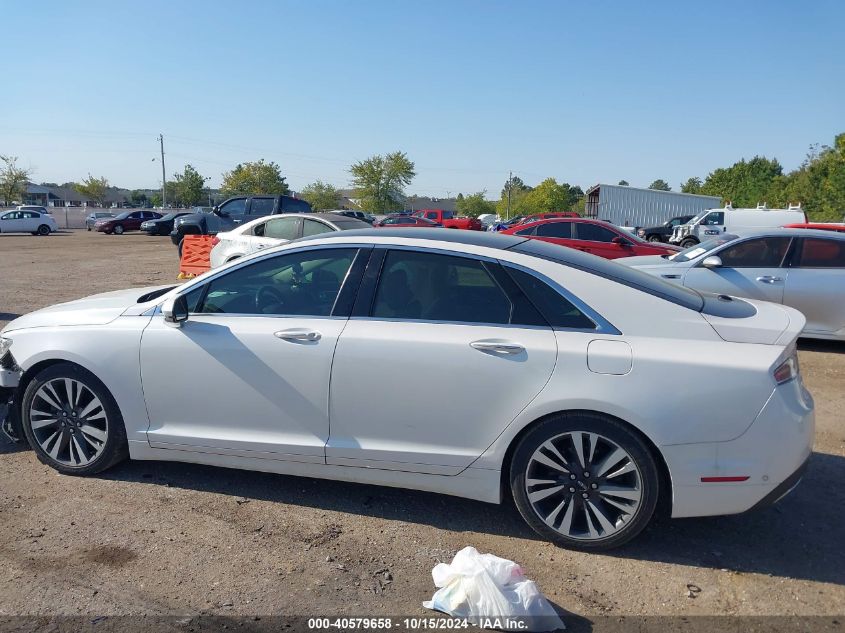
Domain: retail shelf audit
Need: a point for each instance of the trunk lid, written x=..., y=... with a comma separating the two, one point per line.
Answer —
x=770, y=323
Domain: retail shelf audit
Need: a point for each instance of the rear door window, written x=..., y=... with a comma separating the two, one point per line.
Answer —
x=593, y=233
x=557, y=309
x=817, y=252
x=433, y=287
x=315, y=227
x=561, y=230
x=279, y=228
x=262, y=206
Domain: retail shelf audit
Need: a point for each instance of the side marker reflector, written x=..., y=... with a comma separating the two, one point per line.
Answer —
x=722, y=480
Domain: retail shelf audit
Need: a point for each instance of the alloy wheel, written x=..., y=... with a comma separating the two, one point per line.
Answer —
x=583, y=485
x=69, y=422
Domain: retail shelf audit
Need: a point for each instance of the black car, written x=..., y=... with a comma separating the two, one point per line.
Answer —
x=163, y=225
x=232, y=212
x=663, y=232
x=358, y=215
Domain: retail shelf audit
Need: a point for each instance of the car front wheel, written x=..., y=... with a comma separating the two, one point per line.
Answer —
x=584, y=481
x=118, y=230
x=689, y=242
x=72, y=422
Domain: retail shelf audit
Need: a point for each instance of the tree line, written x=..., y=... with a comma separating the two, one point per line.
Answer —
x=379, y=184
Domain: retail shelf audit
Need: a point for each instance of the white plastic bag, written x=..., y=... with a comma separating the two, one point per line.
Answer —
x=491, y=592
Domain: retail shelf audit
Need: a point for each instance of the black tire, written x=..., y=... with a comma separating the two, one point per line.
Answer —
x=618, y=433
x=118, y=230
x=43, y=230
x=179, y=248
x=115, y=448
x=89, y=228
x=688, y=242
x=654, y=238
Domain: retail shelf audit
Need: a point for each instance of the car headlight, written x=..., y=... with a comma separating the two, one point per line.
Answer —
x=5, y=344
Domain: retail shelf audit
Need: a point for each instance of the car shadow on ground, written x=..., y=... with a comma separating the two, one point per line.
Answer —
x=800, y=537
x=818, y=345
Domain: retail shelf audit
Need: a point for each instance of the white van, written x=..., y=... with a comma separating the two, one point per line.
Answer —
x=712, y=222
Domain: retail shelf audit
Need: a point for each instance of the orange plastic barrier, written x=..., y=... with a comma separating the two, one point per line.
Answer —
x=195, y=255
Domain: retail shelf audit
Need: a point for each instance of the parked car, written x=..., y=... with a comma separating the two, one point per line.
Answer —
x=358, y=215
x=821, y=226
x=800, y=268
x=487, y=220
x=583, y=438
x=164, y=224
x=234, y=211
x=591, y=236
x=126, y=221
x=449, y=219
x=548, y=216
x=92, y=218
x=711, y=222
x=27, y=221
x=274, y=230
x=32, y=207
x=663, y=232
x=405, y=221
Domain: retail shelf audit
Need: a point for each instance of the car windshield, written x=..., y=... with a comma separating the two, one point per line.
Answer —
x=170, y=216
x=104, y=215
x=699, y=249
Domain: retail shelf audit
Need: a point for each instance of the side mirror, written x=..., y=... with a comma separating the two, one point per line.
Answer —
x=621, y=241
x=175, y=309
x=713, y=261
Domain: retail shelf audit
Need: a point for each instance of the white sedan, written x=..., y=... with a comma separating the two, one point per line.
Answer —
x=28, y=221
x=274, y=230
x=285, y=344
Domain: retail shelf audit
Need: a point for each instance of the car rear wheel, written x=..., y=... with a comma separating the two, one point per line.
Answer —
x=43, y=230
x=687, y=243
x=584, y=481
x=654, y=238
x=72, y=422
x=118, y=230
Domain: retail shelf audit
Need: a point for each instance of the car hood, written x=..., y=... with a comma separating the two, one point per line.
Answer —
x=94, y=310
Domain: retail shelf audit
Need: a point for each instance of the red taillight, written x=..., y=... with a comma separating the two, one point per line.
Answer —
x=215, y=241
x=787, y=370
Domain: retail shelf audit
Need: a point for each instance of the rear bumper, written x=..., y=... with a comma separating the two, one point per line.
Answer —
x=772, y=454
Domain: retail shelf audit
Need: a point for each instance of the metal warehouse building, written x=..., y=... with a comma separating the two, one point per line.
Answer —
x=630, y=206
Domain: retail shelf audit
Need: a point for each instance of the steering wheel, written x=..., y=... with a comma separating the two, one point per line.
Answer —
x=265, y=296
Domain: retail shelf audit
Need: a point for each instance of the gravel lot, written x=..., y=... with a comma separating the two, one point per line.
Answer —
x=161, y=538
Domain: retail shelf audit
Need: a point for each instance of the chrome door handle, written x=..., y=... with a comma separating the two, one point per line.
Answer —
x=298, y=335
x=768, y=279
x=498, y=348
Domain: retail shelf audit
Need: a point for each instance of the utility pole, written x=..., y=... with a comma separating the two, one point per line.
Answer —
x=510, y=187
x=163, y=177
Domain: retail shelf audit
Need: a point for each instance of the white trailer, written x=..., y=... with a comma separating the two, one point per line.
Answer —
x=632, y=207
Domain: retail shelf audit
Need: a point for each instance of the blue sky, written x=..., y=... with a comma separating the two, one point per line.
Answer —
x=585, y=92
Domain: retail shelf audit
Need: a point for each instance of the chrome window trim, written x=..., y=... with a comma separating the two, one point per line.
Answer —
x=603, y=326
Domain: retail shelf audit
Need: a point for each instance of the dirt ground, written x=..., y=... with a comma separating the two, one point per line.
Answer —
x=162, y=538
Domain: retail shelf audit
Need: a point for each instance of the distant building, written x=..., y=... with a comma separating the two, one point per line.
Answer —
x=49, y=196
x=630, y=206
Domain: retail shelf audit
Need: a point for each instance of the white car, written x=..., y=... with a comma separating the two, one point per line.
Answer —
x=801, y=268
x=274, y=230
x=285, y=344
x=30, y=220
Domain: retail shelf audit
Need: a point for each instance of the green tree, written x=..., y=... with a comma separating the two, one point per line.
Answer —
x=13, y=180
x=692, y=185
x=518, y=190
x=94, y=188
x=745, y=183
x=660, y=185
x=474, y=204
x=188, y=187
x=623, y=183
x=155, y=199
x=321, y=195
x=380, y=181
x=818, y=184
x=259, y=177
x=138, y=198
x=549, y=196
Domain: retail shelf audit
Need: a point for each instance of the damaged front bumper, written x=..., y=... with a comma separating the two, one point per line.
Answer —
x=9, y=422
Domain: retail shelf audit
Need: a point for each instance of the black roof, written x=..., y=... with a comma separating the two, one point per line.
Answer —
x=473, y=238
x=571, y=257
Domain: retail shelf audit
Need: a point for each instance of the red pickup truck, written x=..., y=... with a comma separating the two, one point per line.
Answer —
x=449, y=220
